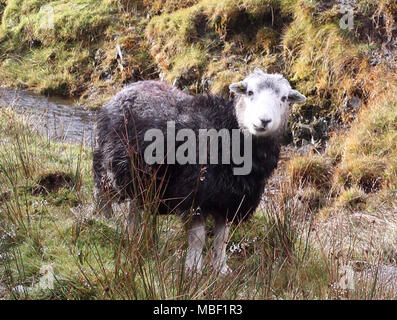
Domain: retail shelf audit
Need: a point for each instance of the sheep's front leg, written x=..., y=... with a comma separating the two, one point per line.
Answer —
x=221, y=233
x=134, y=219
x=196, y=241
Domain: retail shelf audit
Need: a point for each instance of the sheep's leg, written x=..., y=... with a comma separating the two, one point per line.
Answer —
x=196, y=241
x=133, y=219
x=103, y=204
x=222, y=229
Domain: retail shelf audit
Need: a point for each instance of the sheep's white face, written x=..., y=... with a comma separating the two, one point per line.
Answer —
x=263, y=105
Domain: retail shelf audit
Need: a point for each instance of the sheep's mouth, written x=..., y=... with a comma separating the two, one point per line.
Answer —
x=259, y=129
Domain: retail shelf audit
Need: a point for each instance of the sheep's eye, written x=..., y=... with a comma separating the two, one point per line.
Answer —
x=250, y=93
x=283, y=98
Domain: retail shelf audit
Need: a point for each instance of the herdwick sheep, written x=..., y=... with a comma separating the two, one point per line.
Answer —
x=259, y=110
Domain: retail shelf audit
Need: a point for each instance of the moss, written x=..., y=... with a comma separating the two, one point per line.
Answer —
x=329, y=64
x=43, y=42
x=321, y=62
x=55, y=47
x=225, y=30
x=220, y=40
x=49, y=22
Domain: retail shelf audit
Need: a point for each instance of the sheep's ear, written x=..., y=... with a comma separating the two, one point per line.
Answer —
x=238, y=87
x=259, y=71
x=295, y=96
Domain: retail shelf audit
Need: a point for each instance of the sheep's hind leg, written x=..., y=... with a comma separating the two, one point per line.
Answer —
x=196, y=241
x=222, y=229
x=103, y=204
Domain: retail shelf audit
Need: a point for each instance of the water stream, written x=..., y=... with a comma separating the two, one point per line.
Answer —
x=58, y=119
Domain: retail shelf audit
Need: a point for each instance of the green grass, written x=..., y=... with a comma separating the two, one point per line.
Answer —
x=47, y=41
x=58, y=47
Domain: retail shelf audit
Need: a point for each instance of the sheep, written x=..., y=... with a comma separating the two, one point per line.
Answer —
x=259, y=111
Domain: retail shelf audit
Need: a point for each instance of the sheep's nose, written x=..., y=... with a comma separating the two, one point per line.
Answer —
x=265, y=122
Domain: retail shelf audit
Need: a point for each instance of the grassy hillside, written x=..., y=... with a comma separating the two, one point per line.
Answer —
x=331, y=204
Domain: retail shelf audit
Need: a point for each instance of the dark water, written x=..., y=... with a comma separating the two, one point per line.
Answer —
x=58, y=119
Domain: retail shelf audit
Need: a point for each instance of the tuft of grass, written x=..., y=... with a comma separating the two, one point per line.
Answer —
x=369, y=149
x=353, y=199
x=311, y=169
